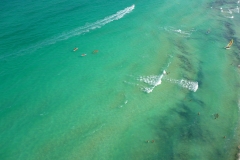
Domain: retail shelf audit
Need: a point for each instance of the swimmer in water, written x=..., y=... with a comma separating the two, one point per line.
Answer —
x=75, y=49
x=95, y=51
x=208, y=31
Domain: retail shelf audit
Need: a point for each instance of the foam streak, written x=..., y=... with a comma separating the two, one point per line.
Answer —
x=95, y=25
x=192, y=86
x=78, y=31
x=151, y=80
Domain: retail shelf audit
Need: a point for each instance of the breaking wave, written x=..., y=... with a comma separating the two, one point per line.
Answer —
x=153, y=81
x=228, y=12
x=78, y=31
x=92, y=26
x=191, y=85
x=180, y=32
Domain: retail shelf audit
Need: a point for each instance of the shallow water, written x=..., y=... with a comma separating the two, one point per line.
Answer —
x=152, y=91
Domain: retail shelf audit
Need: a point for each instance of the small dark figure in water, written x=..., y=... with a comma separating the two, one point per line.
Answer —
x=208, y=31
x=224, y=137
x=95, y=51
x=147, y=141
x=198, y=113
x=216, y=116
x=75, y=49
x=153, y=141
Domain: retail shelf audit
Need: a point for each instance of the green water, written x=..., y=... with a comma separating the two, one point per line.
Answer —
x=151, y=92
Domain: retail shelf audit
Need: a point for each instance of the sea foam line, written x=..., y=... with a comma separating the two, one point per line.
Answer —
x=151, y=80
x=179, y=31
x=191, y=85
x=154, y=80
x=228, y=12
x=98, y=24
x=78, y=31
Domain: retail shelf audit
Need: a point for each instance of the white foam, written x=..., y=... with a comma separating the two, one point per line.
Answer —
x=191, y=85
x=151, y=80
x=130, y=83
x=125, y=102
x=228, y=12
x=181, y=32
x=78, y=31
x=168, y=64
x=92, y=26
x=235, y=10
x=229, y=17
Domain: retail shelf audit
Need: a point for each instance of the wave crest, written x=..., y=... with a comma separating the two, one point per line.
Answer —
x=95, y=25
x=78, y=31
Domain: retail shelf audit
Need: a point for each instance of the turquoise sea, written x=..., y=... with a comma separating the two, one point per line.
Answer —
x=155, y=83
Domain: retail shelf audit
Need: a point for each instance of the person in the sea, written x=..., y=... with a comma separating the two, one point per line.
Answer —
x=208, y=31
x=95, y=51
x=216, y=116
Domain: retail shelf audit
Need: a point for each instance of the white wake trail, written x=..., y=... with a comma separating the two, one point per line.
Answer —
x=95, y=25
x=191, y=85
x=153, y=81
x=78, y=31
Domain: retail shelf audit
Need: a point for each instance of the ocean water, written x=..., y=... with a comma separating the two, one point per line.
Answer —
x=161, y=85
